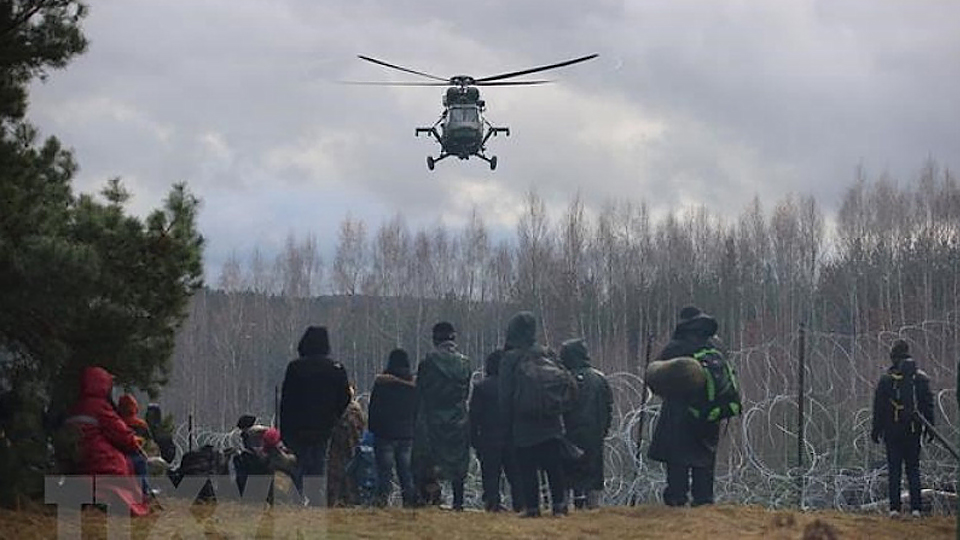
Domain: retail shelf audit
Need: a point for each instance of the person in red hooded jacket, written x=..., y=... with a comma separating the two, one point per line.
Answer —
x=105, y=438
x=128, y=408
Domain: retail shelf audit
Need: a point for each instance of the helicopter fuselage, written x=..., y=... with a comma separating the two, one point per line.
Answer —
x=463, y=132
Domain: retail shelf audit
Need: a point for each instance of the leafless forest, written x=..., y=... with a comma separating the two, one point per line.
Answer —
x=886, y=265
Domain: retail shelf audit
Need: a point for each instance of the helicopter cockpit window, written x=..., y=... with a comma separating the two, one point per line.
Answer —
x=464, y=114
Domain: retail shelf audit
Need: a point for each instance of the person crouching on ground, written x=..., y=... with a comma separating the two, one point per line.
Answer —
x=392, y=412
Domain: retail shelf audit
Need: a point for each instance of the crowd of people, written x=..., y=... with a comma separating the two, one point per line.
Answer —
x=533, y=411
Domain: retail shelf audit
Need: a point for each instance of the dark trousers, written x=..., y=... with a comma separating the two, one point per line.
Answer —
x=544, y=456
x=390, y=454
x=679, y=478
x=312, y=464
x=900, y=452
x=495, y=462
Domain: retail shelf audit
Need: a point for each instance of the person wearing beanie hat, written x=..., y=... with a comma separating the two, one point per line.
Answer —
x=685, y=444
x=489, y=438
x=314, y=394
x=441, y=444
x=902, y=394
x=393, y=409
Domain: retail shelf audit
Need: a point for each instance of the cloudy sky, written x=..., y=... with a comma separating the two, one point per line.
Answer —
x=690, y=102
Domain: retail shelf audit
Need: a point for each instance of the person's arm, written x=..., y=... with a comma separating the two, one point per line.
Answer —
x=925, y=398
x=607, y=396
x=473, y=415
x=285, y=422
x=343, y=387
x=116, y=430
x=876, y=433
x=373, y=410
x=505, y=390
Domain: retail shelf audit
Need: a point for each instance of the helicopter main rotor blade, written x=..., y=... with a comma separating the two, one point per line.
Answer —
x=385, y=64
x=536, y=69
x=511, y=83
x=387, y=83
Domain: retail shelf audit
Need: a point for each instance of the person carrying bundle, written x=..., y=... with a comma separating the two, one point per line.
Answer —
x=699, y=390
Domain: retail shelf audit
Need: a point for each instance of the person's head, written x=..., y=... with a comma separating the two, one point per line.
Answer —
x=315, y=342
x=899, y=351
x=573, y=353
x=271, y=438
x=693, y=321
x=443, y=331
x=491, y=366
x=96, y=382
x=398, y=364
x=127, y=405
x=521, y=331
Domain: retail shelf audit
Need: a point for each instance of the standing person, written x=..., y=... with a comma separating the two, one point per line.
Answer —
x=443, y=383
x=393, y=410
x=902, y=393
x=535, y=439
x=314, y=395
x=488, y=437
x=587, y=423
x=341, y=489
x=685, y=444
x=104, y=439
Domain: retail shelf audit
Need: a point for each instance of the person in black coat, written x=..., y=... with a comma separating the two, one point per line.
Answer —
x=587, y=423
x=537, y=442
x=488, y=436
x=686, y=445
x=314, y=395
x=902, y=393
x=393, y=412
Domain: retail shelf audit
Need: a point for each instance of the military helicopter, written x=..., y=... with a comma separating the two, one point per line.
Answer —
x=461, y=130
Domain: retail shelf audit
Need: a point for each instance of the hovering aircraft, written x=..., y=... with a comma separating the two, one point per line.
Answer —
x=462, y=130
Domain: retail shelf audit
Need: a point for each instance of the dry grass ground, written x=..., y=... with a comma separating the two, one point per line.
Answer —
x=236, y=521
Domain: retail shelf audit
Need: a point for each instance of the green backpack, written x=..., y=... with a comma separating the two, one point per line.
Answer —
x=721, y=397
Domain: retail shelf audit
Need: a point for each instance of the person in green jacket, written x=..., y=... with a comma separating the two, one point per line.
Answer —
x=442, y=438
x=587, y=423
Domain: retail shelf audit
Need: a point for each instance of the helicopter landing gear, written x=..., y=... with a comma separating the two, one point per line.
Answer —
x=430, y=162
x=493, y=163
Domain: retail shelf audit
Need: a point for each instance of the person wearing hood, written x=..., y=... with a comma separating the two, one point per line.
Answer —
x=686, y=445
x=314, y=394
x=587, y=423
x=443, y=384
x=105, y=439
x=128, y=408
x=341, y=490
x=536, y=441
x=902, y=393
x=393, y=410
x=489, y=438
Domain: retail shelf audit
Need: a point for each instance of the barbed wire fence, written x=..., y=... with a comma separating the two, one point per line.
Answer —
x=757, y=461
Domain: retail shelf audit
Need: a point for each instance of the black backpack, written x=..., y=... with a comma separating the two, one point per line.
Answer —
x=903, y=401
x=541, y=387
x=721, y=397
